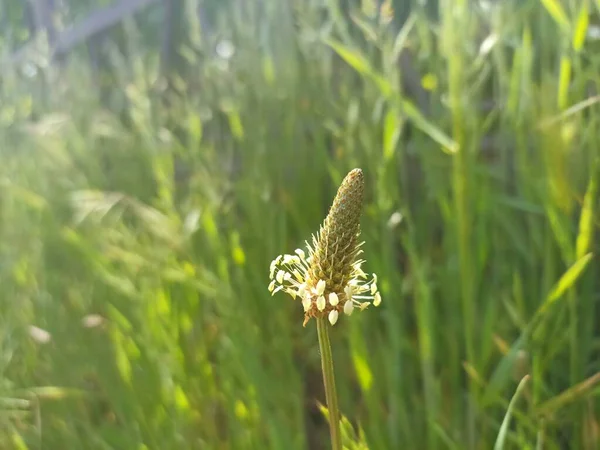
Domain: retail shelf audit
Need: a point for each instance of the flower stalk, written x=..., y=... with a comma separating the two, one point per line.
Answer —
x=329, y=383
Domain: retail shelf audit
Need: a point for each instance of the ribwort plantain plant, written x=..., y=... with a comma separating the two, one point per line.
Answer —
x=330, y=279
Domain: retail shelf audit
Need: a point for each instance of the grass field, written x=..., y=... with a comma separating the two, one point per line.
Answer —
x=138, y=220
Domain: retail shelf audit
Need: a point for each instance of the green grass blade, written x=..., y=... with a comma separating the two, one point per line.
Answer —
x=364, y=68
x=568, y=396
x=565, y=282
x=581, y=26
x=557, y=12
x=563, y=82
x=586, y=219
x=501, y=439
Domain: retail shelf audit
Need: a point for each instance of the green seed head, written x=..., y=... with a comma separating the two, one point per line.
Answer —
x=336, y=248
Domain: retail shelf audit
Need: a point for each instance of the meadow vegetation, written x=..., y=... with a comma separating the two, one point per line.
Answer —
x=143, y=195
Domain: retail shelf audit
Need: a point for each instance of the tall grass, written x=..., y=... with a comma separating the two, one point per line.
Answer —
x=478, y=132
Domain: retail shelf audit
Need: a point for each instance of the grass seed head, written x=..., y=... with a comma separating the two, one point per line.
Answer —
x=330, y=279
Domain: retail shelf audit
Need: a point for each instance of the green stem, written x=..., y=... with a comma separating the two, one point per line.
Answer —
x=329, y=382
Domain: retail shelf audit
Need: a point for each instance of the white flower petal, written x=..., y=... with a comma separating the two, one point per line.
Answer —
x=333, y=317
x=333, y=299
x=348, y=307
x=300, y=253
x=271, y=286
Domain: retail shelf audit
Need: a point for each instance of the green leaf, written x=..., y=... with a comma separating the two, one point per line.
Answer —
x=576, y=108
x=504, y=370
x=94, y=204
x=7, y=403
x=122, y=358
x=352, y=58
x=18, y=442
x=581, y=26
x=351, y=440
x=235, y=125
x=566, y=281
x=561, y=229
x=557, y=12
x=362, y=66
x=569, y=396
x=447, y=143
x=156, y=222
x=28, y=197
x=402, y=37
x=392, y=127
x=54, y=392
x=501, y=439
x=586, y=219
x=363, y=372
x=181, y=399
x=563, y=82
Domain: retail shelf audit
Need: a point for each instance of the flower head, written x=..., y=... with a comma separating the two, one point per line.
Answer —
x=330, y=279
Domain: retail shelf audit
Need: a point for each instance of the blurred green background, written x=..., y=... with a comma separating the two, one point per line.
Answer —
x=157, y=155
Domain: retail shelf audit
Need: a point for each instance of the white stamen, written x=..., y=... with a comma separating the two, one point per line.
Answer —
x=321, y=287
x=377, y=300
x=333, y=317
x=306, y=303
x=349, y=292
x=348, y=307
x=333, y=299
x=302, y=289
x=280, y=276
x=321, y=303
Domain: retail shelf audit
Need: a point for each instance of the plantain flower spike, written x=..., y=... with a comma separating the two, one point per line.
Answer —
x=328, y=278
